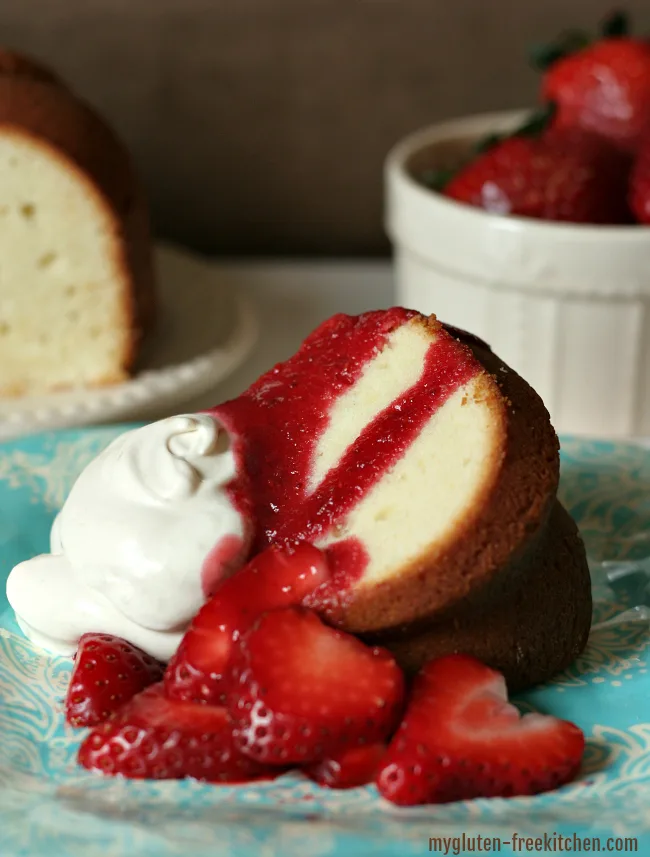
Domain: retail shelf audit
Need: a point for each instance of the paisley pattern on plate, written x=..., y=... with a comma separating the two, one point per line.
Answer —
x=49, y=806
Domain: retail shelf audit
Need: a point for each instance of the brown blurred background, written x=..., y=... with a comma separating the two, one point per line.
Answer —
x=260, y=126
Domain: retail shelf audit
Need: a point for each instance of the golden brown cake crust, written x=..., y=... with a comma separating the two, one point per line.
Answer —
x=537, y=627
x=513, y=508
x=35, y=104
x=512, y=588
x=15, y=64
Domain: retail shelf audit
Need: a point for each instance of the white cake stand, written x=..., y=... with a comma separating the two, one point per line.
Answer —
x=206, y=328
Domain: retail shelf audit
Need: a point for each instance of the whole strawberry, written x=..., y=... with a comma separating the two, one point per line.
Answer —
x=561, y=175
x=602, y=87
x=107, y=672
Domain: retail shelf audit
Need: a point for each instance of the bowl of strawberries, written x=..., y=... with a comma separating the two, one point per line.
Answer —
x=531, y=228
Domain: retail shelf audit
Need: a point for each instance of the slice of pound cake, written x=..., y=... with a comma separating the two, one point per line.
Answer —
x=428, y=470
x=76, y=278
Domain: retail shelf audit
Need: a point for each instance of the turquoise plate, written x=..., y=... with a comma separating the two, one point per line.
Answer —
x=50, y=807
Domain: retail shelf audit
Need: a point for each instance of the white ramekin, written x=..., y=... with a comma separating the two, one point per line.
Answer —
x=567, y=306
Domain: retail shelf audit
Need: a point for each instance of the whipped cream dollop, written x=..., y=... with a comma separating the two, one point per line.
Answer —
x=146, y=533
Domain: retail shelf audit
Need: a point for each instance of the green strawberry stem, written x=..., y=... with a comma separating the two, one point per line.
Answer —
x=484, y=144
x=615, y=26
x=535, y=125
x=543, y=56
x=436, y=179
x=537, y=122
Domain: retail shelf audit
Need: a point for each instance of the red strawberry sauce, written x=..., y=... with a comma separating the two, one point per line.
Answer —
x=276, y=424
x=224, y=558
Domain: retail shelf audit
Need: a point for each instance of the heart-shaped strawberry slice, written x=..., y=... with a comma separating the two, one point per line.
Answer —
x=460, y=738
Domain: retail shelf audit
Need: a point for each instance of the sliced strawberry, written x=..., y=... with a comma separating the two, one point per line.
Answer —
x=153, y=737
x=353, y=767
x=274, y=578
x=303, y=691
x=461, y=739
x=108, y=671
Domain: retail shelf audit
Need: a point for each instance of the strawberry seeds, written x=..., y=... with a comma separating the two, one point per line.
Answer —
x=261, y=685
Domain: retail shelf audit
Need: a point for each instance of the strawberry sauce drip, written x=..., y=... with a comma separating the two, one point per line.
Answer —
x=224, y=558
x=277, y=422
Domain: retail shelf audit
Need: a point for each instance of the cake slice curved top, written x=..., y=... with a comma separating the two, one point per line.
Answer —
x=422, y=464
